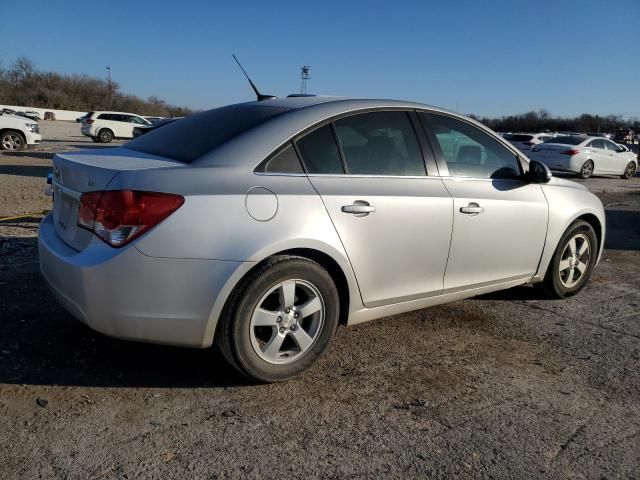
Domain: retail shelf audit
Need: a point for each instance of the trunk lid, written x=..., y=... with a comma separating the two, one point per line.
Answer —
x=75, y=173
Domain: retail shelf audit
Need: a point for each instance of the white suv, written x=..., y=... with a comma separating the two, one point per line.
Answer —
x=105, y=126
x=16, y=133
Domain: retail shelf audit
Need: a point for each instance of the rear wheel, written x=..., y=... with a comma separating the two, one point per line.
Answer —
x=587, y=169
x=280, y=320
x=629, y=171
x=11, y=140
x=105, y=135
x=572, y=262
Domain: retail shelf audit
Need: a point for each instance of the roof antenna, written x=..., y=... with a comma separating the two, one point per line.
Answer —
x=260, y=96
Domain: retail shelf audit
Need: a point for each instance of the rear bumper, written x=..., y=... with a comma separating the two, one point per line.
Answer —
x=126, y=294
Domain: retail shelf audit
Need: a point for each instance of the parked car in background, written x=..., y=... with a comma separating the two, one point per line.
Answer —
x=8, y=111
x=103, y=127
x=602, y=135
x=142, y=129
x=153, y=119
x=524, y=141
x=586, y=156
x=49, y=116
x=81, y=118
x=262, y=226
x=18, y=133
x=33, y=115
x=624, y=135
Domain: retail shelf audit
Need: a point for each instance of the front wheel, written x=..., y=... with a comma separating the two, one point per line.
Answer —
x=280, y=319
x=587, y=169
x=11, y=141
x=629, y=171
x=573, y=261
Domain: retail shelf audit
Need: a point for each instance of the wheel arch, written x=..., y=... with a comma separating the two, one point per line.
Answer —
x=22, y=135
x=592, y=220
x=345, y=282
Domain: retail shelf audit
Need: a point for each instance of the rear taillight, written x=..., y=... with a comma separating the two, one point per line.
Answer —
x=120, y=216
x=88, y=121
x=573, y=151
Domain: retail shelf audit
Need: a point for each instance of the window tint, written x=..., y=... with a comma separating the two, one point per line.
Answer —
x=106, y=116
x=190, y=138
x=597, y=144
x=567, y=140
x=380, y=143
x=320, y=152
x=469, y=152
x=610, y=145
x=285, y=161
x=520, y=138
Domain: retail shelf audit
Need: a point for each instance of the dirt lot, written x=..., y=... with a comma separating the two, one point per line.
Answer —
x=505, y=386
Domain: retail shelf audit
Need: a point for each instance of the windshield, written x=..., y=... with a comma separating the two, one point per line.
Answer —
x=190, y=138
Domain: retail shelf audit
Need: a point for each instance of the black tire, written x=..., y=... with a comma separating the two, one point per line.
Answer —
x=95, y=139
x=105, y=135
x=12, y=140
x=587, y=169
x=629, y=171
x=233, y=337
x=553, y=284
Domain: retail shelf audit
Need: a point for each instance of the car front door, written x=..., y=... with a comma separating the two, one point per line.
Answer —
x=499, y=219
x=131, y=122
x=615, y=160
x=393, y=219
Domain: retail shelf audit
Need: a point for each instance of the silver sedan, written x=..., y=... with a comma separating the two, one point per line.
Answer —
x=262, y=226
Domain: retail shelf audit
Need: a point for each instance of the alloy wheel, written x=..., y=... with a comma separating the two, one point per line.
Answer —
x=287, y=321
x=630, y=171
x=587, y=169
x=12, y=142
x=574, y=261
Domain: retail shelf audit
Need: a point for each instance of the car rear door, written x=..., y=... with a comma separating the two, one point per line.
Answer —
x=393, y=219
x=499, y=219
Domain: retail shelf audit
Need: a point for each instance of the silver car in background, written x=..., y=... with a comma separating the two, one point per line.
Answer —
x=262, y=226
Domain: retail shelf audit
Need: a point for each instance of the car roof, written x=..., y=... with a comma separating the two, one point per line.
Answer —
x=299, y=114
x=113, y=111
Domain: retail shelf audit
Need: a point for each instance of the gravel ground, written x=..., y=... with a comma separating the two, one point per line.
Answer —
x=507, y=385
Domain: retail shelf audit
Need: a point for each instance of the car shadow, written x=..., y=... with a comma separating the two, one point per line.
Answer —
x=30, y=154
x=623, y=230
x=41, y=344
x=25, y=170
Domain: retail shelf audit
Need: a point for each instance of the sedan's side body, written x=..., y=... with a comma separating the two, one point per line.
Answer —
x=391, y=243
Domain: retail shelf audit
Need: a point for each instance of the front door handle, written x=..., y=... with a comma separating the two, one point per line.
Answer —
x=472, y=209
x=359, y=208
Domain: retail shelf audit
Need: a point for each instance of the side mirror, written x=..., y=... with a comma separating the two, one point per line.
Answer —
x=538, y=172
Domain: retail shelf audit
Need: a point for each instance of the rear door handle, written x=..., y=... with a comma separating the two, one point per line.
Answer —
x=359, y=208
x=472, y=209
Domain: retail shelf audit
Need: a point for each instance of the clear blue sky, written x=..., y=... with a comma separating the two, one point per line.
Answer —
x=489, y=57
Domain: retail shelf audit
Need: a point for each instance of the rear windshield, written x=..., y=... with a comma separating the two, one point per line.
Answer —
x=519, y=138
x=190, y=138
x=573, y=140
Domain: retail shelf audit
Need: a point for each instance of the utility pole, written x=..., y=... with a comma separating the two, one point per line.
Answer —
x=305, y=74
x=109, y=86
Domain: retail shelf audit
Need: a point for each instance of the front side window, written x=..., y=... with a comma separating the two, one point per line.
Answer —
x=380, y=143
x=470, y=152
x=611, y=146
x=319, y=151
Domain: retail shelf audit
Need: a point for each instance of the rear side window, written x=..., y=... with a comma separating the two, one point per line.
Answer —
x=190, y=138
x=285, y=161
x=380, y=143
x=597, y=144
x=106, y=116
x=319, y=151
x=470, y=152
